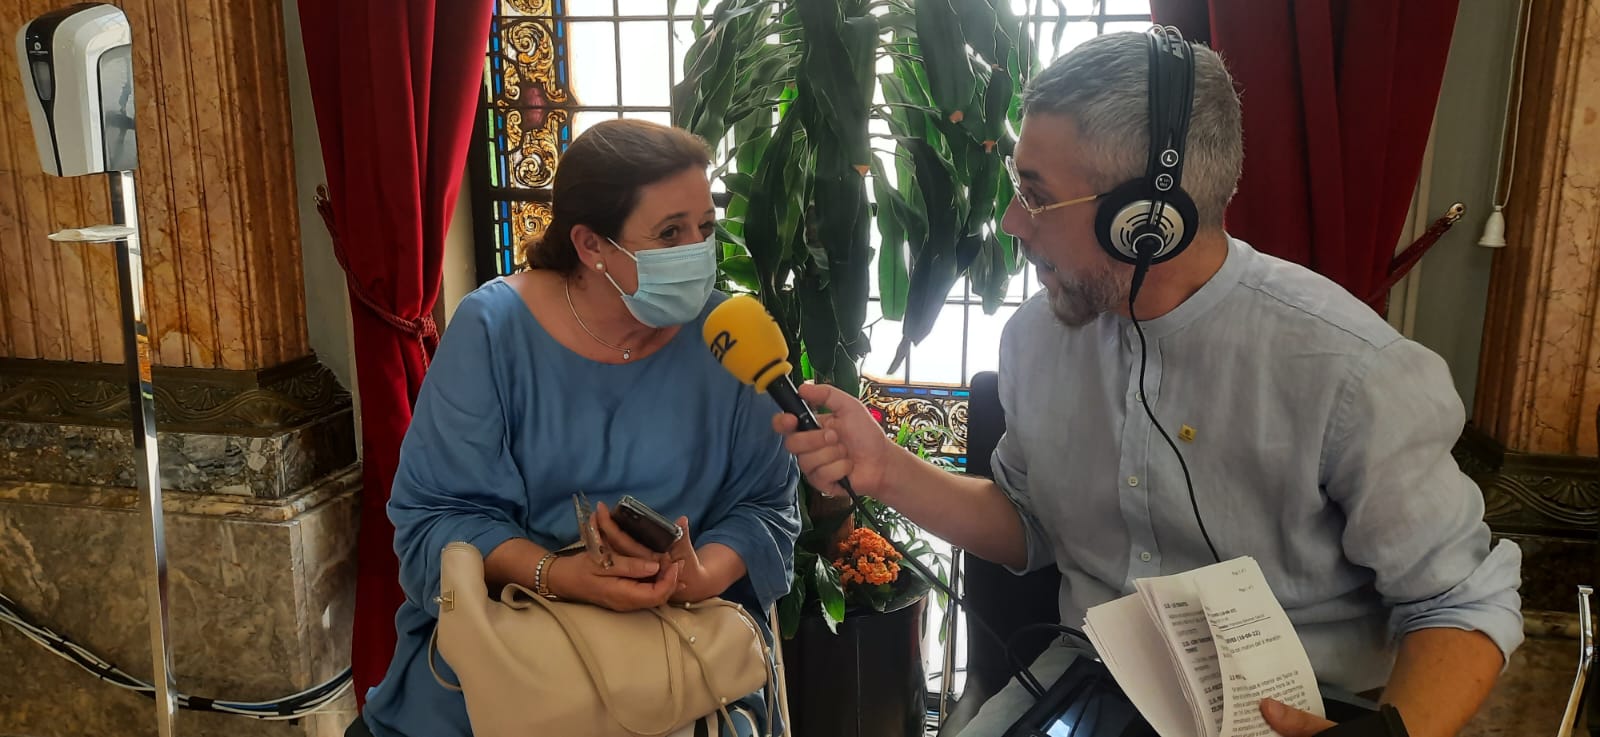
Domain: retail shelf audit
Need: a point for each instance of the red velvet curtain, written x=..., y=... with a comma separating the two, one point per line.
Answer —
x=1338, y=98
x=395, y=84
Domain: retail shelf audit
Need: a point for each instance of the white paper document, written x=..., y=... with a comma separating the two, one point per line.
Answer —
x=1196, y=652
x=1260, y=653
x=1141, y=658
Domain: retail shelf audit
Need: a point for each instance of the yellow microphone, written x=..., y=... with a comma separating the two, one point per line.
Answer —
x=750, y=345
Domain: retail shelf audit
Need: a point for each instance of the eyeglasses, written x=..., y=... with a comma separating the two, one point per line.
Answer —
x=1016, y=189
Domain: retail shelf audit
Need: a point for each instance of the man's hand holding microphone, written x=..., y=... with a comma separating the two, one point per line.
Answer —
x=845, y=449
x=851, y=449
x=850, y=444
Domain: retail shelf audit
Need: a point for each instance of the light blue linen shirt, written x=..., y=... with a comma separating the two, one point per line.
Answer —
x=1321, y=447
x=509, y=424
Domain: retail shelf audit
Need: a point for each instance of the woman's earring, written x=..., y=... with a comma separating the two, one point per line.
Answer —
x=599, y=266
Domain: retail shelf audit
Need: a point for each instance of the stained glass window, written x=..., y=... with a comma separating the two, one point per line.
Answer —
x=931, y=420
x=553, y=68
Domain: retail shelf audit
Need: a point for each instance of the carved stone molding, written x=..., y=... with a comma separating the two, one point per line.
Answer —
x=1556, y=496
x=187, y=400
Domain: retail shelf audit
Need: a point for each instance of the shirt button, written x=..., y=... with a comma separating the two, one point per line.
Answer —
x=1145, y=557
x=1133, y=480
x=1139, y=396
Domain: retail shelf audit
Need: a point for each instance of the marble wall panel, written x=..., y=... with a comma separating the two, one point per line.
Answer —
x=260, y=594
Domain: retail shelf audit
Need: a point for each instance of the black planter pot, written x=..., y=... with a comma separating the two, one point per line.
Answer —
x=865, y=681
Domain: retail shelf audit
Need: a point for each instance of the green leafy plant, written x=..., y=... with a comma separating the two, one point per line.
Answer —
x=825, y=559
x=787, y=91
x=921, y=440
x=820, y=581
x=814, y=104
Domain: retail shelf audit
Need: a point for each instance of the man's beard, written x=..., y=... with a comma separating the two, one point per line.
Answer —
x=1076, y=302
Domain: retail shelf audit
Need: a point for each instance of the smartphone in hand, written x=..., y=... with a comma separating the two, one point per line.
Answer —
x=645, y=524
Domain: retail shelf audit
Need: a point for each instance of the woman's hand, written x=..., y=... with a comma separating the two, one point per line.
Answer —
x=627, y=584
x=695, y=581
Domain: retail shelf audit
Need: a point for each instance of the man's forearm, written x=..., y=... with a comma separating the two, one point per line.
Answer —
x=1441, y=678
x=969, y=512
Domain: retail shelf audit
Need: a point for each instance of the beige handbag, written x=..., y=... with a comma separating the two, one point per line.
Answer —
x=533, y=666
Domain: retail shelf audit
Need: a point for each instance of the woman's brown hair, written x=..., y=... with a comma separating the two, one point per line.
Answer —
x=598, y=180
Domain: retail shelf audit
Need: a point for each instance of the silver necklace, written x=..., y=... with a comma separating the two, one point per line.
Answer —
x=627, y=353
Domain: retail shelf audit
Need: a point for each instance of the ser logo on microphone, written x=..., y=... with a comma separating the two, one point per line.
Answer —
x=721, y=344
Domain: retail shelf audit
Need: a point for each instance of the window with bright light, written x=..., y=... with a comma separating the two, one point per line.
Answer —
x=556, y=67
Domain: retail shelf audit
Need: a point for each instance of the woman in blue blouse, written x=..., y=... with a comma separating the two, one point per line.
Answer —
x=587, y=373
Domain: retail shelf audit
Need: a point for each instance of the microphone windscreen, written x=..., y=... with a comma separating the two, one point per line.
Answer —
x=747, y=341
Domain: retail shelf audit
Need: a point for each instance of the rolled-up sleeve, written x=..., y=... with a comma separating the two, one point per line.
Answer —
x=1009, y=463
x=1412, y=516
x=456, y=479
x=764, y=519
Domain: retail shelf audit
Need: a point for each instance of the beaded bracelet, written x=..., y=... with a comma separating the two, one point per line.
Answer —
x=540, y=585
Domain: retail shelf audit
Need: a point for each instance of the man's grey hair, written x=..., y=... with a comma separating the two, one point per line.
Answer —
x=1103, y=86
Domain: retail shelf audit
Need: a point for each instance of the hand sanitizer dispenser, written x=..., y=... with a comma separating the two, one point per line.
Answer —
x=77, y=69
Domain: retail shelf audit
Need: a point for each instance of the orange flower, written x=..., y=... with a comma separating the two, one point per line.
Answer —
x=866, y=558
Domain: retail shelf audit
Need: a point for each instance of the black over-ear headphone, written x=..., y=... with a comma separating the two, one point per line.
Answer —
x=1151, y=219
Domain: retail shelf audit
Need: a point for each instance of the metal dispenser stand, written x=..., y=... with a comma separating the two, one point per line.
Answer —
x=124, y=233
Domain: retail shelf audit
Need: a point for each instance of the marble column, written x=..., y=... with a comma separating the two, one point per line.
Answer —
x=1532, y=440
x=257, y=439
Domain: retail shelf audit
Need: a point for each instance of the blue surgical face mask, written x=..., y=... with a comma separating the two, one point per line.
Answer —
x=674, y=282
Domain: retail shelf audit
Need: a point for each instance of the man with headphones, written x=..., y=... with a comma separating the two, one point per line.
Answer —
x=1175, y=398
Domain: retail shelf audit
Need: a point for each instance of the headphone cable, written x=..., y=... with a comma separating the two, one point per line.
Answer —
x=1139, y=271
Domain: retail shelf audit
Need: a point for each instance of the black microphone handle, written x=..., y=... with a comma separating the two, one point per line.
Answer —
x=788, y=399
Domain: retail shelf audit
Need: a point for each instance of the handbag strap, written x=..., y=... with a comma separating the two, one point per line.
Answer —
x=433, y=648
x=674, y=673
x=597, y=676
x=767, y=665
x=683, y=637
